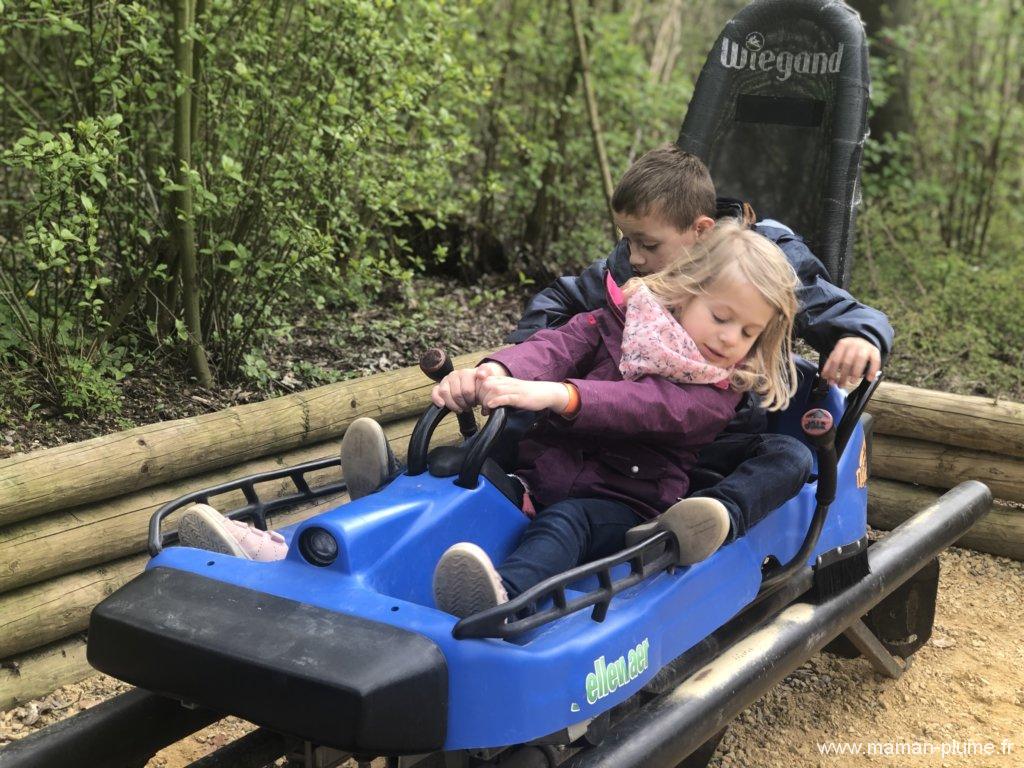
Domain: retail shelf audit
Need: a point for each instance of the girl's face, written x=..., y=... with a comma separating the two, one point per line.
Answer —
x=727, y=319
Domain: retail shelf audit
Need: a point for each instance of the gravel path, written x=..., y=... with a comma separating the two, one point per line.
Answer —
x=964, y=691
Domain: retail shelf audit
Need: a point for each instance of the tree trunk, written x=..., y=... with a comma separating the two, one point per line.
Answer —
x=895, y=116
x=184, y=11
x=537, y=231
x=595, y=121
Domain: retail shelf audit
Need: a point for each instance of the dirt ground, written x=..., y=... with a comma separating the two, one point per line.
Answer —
x=960, y=704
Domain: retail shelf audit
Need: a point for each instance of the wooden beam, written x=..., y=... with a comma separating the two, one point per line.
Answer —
x=64, y=542
x=1000, y=532
x=943, y=466
x=34, y=616
x=38, y=615
x=36, y=673
x=105, y=467
x=969, y=422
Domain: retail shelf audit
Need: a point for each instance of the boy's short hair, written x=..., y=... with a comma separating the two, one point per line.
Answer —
x=668, y=182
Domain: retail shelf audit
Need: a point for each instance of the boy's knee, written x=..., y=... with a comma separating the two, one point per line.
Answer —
x=792, y=451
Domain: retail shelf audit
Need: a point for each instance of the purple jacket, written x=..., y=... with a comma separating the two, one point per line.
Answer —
x=633, y=441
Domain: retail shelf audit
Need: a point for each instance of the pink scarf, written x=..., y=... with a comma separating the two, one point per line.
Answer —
x=654, y=343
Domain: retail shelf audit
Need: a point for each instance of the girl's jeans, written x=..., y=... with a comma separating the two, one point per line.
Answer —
x=566, y=534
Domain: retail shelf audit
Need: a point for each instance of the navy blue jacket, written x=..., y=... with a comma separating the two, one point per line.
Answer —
x=826, y=314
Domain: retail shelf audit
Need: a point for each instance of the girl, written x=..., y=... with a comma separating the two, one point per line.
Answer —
x=632, y=393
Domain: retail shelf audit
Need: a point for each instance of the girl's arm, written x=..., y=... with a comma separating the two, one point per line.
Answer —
x=653, y=408
x=529, y=375
x=490, y=386
x=554, y=354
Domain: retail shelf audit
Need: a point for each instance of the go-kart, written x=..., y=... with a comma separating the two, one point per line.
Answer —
x=628, y=661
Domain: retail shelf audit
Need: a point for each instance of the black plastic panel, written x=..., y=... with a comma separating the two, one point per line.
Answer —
x=333, y=679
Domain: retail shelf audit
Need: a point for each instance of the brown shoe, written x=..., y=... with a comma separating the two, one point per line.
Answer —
x=700, y=525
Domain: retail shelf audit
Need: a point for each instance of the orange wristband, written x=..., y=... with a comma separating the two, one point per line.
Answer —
x=573, y=408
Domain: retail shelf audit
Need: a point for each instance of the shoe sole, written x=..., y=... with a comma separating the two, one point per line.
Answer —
x=202, y=527
x=465, y=581
x=699, y=525
x=365, y=457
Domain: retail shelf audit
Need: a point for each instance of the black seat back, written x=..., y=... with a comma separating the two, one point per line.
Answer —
x=779, y=114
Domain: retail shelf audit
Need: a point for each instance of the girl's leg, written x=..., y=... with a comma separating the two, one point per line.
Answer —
x=564, y=535
x=561, y=537
x=367, y=463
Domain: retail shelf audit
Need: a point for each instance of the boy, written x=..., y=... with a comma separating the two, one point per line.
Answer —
x=664, y=203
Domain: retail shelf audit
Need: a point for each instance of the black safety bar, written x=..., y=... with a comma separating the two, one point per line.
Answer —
x=856, y=402
x=522, y=613
x=256, y=509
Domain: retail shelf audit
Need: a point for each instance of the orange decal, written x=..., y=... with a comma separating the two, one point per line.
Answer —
x=862, y=466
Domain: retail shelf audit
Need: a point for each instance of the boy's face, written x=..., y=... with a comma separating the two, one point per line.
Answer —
x=725, y=321
x=655, y=243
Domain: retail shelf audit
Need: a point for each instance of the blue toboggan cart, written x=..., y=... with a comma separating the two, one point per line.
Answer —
x=627, y=661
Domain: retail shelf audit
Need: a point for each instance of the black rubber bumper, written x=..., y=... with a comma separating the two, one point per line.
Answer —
x=327, y=677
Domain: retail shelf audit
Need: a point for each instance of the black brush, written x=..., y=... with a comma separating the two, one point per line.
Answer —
x=840, y=568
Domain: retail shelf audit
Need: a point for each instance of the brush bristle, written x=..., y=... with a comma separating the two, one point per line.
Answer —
x=836, y=577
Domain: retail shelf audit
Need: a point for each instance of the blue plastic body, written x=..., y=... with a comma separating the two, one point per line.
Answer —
x=566, y=672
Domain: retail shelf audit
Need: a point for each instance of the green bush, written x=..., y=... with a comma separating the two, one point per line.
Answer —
x=318, y=126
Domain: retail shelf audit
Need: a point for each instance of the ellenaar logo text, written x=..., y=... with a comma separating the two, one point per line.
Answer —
x=753, y=55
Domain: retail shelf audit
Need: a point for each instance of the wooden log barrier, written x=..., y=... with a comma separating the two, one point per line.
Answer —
x=943, y=466
x=42, y=613
x=36, y=673
x=65, y=542
x=981, y=423
x=1000, y=532
x=58, y=560
x=37, y=615
x=53, y=478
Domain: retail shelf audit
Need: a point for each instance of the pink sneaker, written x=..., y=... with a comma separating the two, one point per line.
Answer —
x=203, y=527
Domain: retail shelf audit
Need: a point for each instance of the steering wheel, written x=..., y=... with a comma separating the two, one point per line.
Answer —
x=478, y=448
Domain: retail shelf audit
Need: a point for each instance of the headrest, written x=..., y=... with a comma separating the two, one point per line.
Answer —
x=779, y=114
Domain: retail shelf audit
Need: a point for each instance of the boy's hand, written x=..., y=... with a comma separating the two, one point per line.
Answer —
x=458, y=390
x=496, y=391
x=852, y=358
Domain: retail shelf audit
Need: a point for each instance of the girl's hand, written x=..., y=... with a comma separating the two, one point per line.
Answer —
x=458, y=390
x=496, y=391
x=852, y=358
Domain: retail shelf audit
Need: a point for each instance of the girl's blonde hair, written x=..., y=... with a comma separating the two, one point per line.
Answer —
x=768, y=369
